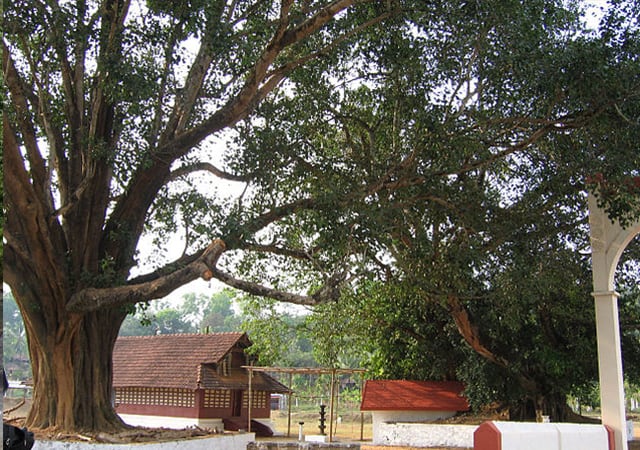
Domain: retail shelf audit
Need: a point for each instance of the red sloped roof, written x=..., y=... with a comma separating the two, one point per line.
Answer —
x=239, y=379
x=169, y=360
x=404, y=395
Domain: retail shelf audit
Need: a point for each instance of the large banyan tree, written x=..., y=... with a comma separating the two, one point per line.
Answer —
x=348, y=128
x=108, y=106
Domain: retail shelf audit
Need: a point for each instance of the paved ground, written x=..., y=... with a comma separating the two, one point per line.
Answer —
x=373, y=447
x=634, y=445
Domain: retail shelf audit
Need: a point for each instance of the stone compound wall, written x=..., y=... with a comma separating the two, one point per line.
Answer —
x=383, y=421
x=301, y=446
x=424, y=435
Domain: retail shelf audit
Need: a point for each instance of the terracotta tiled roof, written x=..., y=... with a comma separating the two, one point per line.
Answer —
x=239, y=379
x=171, y=360
x=403, y=395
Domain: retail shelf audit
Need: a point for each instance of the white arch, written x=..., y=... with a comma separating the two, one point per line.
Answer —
x=608, y=241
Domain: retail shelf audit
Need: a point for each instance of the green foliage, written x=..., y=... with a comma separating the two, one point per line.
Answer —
x=619, y=198
x=337, y=335
x=196, y=313
x=213, y=314
x=15, y=357
x=452, y=160
x=159, y=318
x=532, y=307
x=274, y=333
x=628, y=284
x=4, y=209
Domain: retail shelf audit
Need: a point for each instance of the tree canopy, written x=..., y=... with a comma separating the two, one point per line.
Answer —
x=453, y=180
x=372, y=141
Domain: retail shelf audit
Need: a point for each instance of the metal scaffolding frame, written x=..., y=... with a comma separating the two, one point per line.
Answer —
x=301, y=370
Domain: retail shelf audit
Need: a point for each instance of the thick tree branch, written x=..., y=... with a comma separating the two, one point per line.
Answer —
x=167, y=268
x=471, y=334
x=317, y=21
x=92, y=299
x=132, y=208
x=303, y=255
x=29, y=227
x=163, y=85
x=273, y=78
x=259, y=80
x=174, y=142
x=73, y=87
x=330, y=291
x=20, y=92
x=193, y=84
x=206, y=167
x=279, y=212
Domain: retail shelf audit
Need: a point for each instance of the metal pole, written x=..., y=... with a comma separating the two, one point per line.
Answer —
x=250, y=400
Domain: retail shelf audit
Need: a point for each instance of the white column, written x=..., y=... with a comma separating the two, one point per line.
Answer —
x=610, y=366
x=608, y=241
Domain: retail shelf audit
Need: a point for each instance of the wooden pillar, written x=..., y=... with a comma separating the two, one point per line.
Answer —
x=361, y=412
x=290, y=395
x=250, y=400
x=331, y=406
x=198, y=398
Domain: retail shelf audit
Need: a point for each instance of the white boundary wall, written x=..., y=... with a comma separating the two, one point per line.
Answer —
x=537, y=436
x=423, y=435
x=179, y=423
x=223, y=442
x=176, y=423
x=382, y=420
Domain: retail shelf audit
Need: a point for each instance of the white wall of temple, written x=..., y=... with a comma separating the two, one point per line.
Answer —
x=171, y=422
